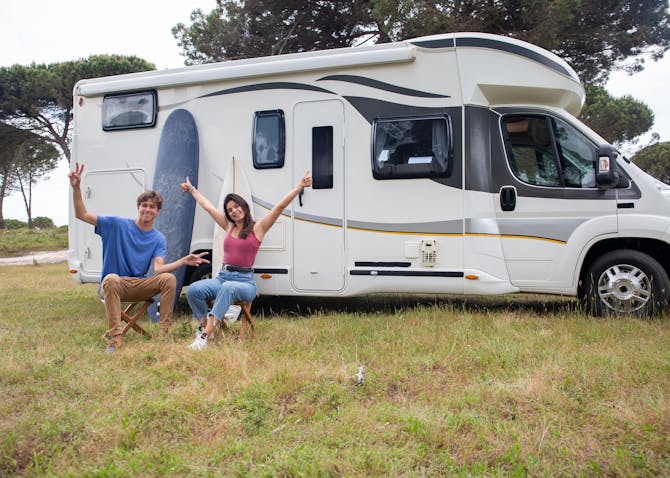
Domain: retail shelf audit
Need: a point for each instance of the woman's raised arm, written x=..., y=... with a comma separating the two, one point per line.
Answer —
x=218, y=216
x=264, y=225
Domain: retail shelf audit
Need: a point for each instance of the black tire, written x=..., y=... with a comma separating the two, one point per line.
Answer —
x=203, y=271
x=625, y=282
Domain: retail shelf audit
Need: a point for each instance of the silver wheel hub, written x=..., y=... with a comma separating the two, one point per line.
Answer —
x=624, y=288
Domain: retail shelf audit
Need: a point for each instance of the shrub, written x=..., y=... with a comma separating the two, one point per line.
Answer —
x=15, y=224
x=43, y=222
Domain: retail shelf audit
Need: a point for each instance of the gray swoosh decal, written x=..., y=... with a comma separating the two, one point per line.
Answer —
x=279, y=85
x=380, y=85
x=554, y=229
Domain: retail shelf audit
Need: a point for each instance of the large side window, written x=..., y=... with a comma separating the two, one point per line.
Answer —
x=545, y=151
x=129, y=111
x=419, y=147
x=269, y=141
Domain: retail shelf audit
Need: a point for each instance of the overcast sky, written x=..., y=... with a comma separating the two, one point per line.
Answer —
x=48, y=31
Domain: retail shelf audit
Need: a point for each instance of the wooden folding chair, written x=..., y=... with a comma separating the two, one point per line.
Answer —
x=131, y=316
x=247, y=320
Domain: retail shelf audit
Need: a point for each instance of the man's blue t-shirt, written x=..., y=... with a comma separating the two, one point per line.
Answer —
x=127, y=250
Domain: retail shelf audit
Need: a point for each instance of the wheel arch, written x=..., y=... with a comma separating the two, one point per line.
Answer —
x=659, y=250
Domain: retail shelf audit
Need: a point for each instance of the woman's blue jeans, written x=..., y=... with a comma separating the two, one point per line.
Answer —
x=225, y=289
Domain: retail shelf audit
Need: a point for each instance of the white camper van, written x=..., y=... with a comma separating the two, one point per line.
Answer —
x=445, y=164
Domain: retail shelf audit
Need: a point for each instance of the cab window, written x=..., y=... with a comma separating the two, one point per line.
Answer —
x=545, y=151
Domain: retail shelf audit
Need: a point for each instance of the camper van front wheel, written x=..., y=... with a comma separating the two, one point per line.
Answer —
x=626, y=282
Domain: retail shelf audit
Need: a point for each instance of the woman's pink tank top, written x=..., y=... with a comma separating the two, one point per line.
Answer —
x=240, y=252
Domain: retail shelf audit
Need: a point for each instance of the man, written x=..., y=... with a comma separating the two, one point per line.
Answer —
x=128, y=248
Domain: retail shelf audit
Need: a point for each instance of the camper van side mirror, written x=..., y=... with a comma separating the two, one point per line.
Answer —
x=607, y=176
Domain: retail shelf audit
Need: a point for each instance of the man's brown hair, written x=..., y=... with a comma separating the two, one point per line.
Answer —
x=152, y=196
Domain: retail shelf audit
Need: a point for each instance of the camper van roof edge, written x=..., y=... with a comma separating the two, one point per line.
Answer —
x=230, y=70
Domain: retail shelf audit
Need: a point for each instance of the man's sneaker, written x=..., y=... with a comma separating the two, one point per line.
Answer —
x=110, y=349
x=232, y=313
x=199, y=343
x=199, y=332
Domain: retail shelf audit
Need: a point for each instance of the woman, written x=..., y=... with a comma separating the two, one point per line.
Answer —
x=235, y=281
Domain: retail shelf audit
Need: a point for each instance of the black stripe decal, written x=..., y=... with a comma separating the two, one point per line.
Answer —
x=359, y=272
x=515, y=49
x=495, y=45
x=441, y=43
x=382, y=264
x=279, y=85
x=269, y=271
x=380, y=85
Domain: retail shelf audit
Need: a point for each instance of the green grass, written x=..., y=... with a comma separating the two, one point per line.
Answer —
x=19, y=242
x=512, y=386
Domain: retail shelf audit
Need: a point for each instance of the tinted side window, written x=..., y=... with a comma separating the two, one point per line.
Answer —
x=545, y=151
x=322, y=157
x=269, y=139
x=412, y=148
x=578, y=157
x=129, y=111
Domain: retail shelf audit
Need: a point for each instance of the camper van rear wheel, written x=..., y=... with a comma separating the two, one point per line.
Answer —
x=203, y=271
x=626, y=282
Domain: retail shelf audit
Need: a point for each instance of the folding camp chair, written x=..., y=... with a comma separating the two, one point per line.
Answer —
x=246, y=319
x=131, y=316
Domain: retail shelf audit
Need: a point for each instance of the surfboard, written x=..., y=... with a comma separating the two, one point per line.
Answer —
x=236, y=182
x=178, y=157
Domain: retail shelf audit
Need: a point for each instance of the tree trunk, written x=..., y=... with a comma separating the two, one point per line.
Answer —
x=27, y=200
x=3, y=191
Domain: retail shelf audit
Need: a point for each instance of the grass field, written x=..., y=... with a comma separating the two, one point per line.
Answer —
x=19, y=242
x=512, y=386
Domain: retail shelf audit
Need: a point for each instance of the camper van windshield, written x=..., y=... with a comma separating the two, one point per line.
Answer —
x=412, y=148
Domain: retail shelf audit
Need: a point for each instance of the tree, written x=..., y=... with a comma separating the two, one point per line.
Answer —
x=38, y=98
x=245, y=29
x=594, y=36
x=618, y=120
x=34, y=159
x=655, y=160
x=10, y=141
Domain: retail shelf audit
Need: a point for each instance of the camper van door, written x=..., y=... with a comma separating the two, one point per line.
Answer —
x=100, y=189
x=318, y=214
x=557, y=208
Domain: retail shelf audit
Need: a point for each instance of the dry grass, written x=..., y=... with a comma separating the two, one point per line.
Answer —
x=19, y=242
x=518, y=386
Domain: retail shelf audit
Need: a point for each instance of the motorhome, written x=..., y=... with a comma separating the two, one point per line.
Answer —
x=448, y=164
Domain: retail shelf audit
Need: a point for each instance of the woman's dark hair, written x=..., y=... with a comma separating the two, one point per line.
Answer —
x=249, y=222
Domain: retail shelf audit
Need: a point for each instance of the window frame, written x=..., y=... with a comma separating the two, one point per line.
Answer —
x=281, y=147
x=419, y=170
x=154, y=110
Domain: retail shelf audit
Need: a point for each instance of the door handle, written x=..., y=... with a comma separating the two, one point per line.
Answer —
x=302, y=191
x=507, y=198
